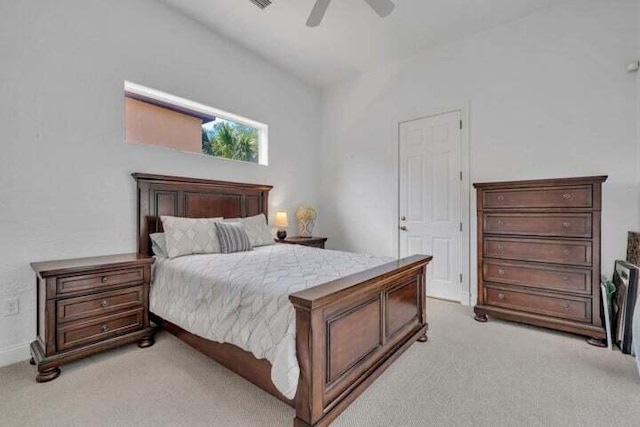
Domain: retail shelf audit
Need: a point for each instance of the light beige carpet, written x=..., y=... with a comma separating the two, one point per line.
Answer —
x=468, y=374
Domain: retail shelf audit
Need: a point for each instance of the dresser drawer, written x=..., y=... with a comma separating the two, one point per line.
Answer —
x=103, y=281
x=99, y=304
x=567, y=197
x=534, y=276
x=572, y=308
x=560, y=225
x=87, y=331
x=549, y=251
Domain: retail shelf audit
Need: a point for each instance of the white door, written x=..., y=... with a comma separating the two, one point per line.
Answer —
x=430, y=199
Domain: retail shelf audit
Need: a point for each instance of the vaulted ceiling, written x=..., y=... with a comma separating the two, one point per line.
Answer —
x=352, y=38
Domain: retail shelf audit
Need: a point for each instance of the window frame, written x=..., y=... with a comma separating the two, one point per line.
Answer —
x=180, y=104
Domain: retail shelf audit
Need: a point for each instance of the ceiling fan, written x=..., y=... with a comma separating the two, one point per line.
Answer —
x=381, y=7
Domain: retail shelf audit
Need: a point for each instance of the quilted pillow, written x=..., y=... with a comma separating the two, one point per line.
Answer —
x=232, y=237
x=186, y=236
x=257, y=229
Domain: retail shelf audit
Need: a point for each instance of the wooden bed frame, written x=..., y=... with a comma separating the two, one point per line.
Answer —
x=348, y=330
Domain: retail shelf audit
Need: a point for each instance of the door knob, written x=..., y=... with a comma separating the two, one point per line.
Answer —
x=403, y=228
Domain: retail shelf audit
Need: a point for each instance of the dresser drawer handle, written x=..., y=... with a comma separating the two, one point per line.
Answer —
x=501, y=296
x=566, y=224
x=565, y=278
x=104, y=328
x=501, y=197
x=104, y=279
x=500, y=271
x=500, y=223
x=565, y=252
x=500, y=248
x=104, y=303
x=566, y=196
x=566, y=306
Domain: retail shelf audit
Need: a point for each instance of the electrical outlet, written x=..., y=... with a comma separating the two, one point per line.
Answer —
x=10, y=307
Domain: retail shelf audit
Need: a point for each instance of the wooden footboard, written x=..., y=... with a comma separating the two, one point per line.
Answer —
x=350, y=330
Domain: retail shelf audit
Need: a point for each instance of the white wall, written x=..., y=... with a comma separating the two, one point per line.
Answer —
x=548, y=96
x=637, y=77
x=65, y=185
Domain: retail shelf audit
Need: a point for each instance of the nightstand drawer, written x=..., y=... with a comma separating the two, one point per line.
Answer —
x=97, y=329
x=316, y=245
x=100, y=304
x=103, y=281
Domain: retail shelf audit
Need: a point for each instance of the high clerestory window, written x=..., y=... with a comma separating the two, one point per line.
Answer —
x=162, y=120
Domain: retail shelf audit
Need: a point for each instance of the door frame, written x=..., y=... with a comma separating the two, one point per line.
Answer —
x=466, y=293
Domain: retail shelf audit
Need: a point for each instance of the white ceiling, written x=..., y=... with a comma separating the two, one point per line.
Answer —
x=352, y=38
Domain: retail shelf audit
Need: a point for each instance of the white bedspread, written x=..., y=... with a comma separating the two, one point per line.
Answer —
x=242, y=298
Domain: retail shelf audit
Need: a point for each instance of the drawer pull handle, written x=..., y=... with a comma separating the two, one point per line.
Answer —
x=566, y=196
x=104, y=303
x=566, y=306
x=566, y=224
x=565, y=278
x=501, y=197
x=500, y=223
x=500, y=271
x=565, y=252
x=501, y=296
x=104, y=328
x=104, y=279
x=500, y=248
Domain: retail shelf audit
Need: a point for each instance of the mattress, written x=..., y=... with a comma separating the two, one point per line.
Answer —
x=243, y=298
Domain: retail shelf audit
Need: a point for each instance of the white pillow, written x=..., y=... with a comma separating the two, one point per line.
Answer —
x=186, y=236
x=257, y=229
x=158, y=245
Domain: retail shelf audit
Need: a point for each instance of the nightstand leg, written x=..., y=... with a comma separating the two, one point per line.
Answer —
x=32, y=362
x=47, y=375
x=423, y=338
x=146, y=342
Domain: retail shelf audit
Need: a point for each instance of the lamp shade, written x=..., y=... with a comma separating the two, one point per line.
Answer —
x=281, y=220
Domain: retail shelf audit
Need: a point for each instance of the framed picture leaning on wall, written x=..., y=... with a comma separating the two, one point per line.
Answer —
x=625, y=278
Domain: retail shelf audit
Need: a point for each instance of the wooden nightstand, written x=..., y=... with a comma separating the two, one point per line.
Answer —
x=89, y=305
x=316, y=242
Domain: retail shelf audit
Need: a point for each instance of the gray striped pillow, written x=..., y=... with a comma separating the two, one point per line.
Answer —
x=232, y=237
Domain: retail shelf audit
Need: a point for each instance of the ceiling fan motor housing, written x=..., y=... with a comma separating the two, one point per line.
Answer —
x=262, y=4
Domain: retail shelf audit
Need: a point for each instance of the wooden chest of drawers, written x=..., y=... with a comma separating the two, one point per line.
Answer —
x=539, y=253
x=89, y=305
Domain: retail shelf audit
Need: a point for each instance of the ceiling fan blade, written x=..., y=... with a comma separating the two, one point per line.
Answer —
x=382, y=7
x=319, y=9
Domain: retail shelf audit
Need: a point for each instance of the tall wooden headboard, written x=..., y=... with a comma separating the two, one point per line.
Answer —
x=193, y=198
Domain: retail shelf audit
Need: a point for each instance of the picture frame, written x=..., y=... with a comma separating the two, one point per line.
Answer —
x=633, y=248
x=607, y=289
x=625, y=279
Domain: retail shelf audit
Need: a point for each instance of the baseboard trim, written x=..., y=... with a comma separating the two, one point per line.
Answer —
x=14, y=354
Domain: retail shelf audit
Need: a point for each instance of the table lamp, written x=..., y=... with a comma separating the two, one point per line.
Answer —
x=281, y=224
